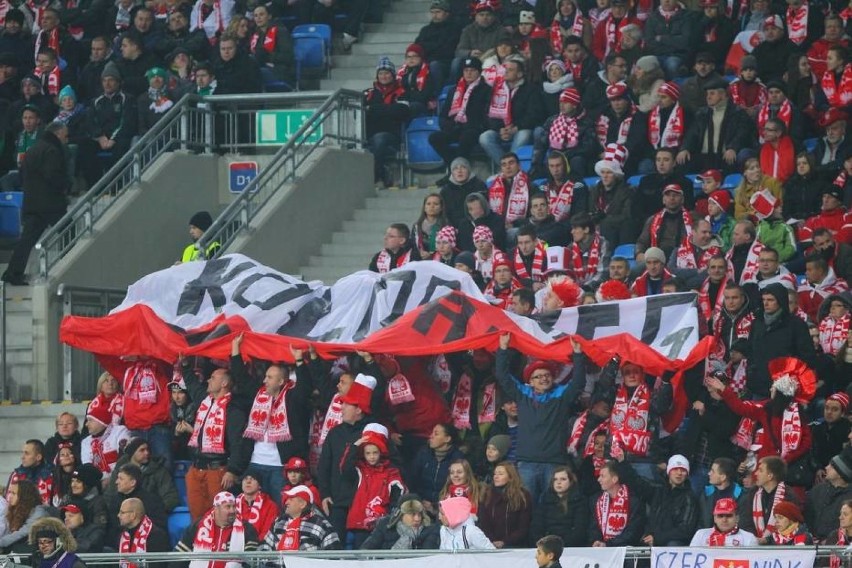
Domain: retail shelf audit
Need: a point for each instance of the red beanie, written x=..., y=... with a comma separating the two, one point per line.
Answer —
x=416, y=48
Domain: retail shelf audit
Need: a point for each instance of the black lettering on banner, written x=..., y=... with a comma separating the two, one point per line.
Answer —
x=676, y=340
x=210, y=281
x=197, y=338
x=301, y=322
x=590, y=318
x=363, y=328
x=654, y=312
x=407, y=278
x=290, y=292
x=448, y=316
x=432, y=287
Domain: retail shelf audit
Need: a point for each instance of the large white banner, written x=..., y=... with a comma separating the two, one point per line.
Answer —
x=732, y=557
x=571, y=558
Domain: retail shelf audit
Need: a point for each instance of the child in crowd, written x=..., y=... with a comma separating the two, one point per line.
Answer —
x=297, y=472
x=496, y=451
x=458, y=530
x=548, y=551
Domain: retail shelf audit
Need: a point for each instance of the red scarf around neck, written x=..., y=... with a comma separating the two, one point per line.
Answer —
x=212, y=538
x=520, y=268
x=564, y=132
x=211, y=418
x=582, y=273
x=512, y=203
x=612, y=514
x=461, y=96
x=422, y=75
x=560, y=200
x=657, y=223
x=630, y=421
x=139, y=542
x=838, y=93
x=291, y=538
x=672, y=133
x=762, y=527
x=717, y=537
x=833, y=333
x=797, y=23
x=577, y=433
x=711, y=308
x=785, y=114
x=270, y=40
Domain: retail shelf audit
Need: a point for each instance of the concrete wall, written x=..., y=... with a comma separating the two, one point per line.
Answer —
x=291, y=228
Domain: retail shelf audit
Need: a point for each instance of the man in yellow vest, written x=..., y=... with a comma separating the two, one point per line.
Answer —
x=199, y=223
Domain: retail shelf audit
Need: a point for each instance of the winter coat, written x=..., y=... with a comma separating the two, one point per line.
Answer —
x=133, y=80
x=737, y=131
x=543, y=418
x=195, y=42
x=466, y=536
x=632, y=533
x=672, y=37
x=475, y=37
x=90, y=538
x=385, y=535
x=614, y=220
x=822, y=508
x=282, y=57
x=16, y=541
x=716, y=425
x=476, y=110
x=239, y=75
x=51, y=446
x=802, y=196
x=439, y=40
x=114, y=117
x=777, y=234
x=156, y=480
x=454, y=196
x=427, y=474
x=672, y=511
x=649, y=194
x=709, y=497
x=153, y=508
x=827, y=441
x=743, y=193
x=44, y=174
x=491, y=220
x=772, y=58
x=526, y=109
x=337, y=444
x=549, y=518
x=501, y=524
x=378, y=488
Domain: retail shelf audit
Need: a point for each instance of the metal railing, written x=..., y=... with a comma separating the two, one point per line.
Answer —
x=80, y=369
x=223, y=123
x=338, y=122
x=633, y=555
x=4, y=389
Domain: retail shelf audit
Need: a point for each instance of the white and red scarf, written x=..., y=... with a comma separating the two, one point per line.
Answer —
x=565, y=132
x=502, y=94
x=270, y=40
x=717, y=537
x=220, y=23
x=383, y=262
x=44, y=483
x=762, y=527
x=520, y=268
x=560, y=201
x=613, y=33
x=838, y=94
x=577, y=433
x=461, y=96
x=333, y=417
x=37, y=12
x=211, y=418
x=463, y=401
x=672, y=134
x=742, y=327
x=797, y=23
x=52, y=41
x=657, y=223
x=399, y=390
x=513, y=204
x=267, y=420
x=691, y=256
x=502, y=295
x=833, y=333
x=835, y=561
x=139, y=542
x=422, y=75
x=103, y=457
x=784, y=114
x=485, y=266
x=791, y=429
x=602, y=128
x=711, y=308
x=668, y=14
x=556, y=32
x=738, y=377
x=582, y=273
x=140, y=382
x=630, y=420
x=212, y=538
x=612, y=514
x=291, y=538
x=750, y=269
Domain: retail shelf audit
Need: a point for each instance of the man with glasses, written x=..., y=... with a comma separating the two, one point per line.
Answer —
x=139, y=534
x=777, y=154
x=594, y=96
x=397, y=251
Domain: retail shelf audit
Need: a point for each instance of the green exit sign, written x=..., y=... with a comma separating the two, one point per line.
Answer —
x=276, y=127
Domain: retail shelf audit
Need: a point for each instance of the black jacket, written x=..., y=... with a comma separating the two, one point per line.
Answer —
x=133, y=80
x=51, y=446
x=239, y=75
x=827, y=171
x=427, y=474
x=715, y=426
x=44, y=176
x=737, y=131
x=90, y=538
x=707, y=502
x=439, y=40
x=114, y=117
x=772, y=58
x=153, y=508
x=89, y=83
x=158, y=540
x=454, y=196
x=526, y=109
x=337, y=444
x=194, y=42
x=633, y=530
x=724, y=36
x=282, y=58
x=384, y=536
x=491, y=220
x=477, y=110
x=570, y=524
x=672, y=511
x=822, y=508
x=803, y=196
x=383, y=116
x=648, y=197
x=827, y=440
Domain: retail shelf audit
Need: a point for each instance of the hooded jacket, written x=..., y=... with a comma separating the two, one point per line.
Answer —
x=569, y=524
x=454, y=195
x=491, y=220
x=65, y=545
x=461, y=532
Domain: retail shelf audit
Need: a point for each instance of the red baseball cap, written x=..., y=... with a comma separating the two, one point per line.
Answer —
x=711, y=174
x=726, y=506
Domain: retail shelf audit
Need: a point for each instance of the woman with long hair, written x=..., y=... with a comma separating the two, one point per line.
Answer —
x=754, y=180
x=25, y=508
x=240, y=28
x=563, y=510
x=67, y=463
x=803, y=189
x=505, y=510
x=645, y=81
x=801, y=84
x=109, y=395
x=461, y=482
x=425, y=230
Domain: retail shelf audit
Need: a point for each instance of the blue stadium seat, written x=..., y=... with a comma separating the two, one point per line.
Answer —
x=634, y=180
x=732, y=181
x=179, y=477
x=10, y=213
x=310, y=53
x=696, y=183
x=810, y=144
x=179, y=520
x=321, y=30
x=421, y=155
x=539, y=182
x=445, y=94
x=525, y=154
x=591, y=181
x=801, y=279
x=627, y=251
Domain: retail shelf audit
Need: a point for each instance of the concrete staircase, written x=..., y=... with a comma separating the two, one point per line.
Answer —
x=351, y=248
x=19, y=344
x=22, y=422
x=357, y=69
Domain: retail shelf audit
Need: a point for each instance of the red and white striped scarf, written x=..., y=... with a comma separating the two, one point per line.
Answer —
x=742, y=327
x=672, y=134
x=383, y=262
x=613, y=33
x=537, y=264
x=502, y=94
x=835, y=561
x=463, y=402
x=833, y=333
x=735, y=14
x=690, y=256
x=762, y=527
x=103, y=458
x=556, y=31
x=709, y=310
x=791, y=429
x=220, y=23
x=797, y=23
x=485, y=265
x=577, y=433
x=267, y=420
x=211, y=417
x=291, y=538
x=37, y=12
x=784, y=114
x=668, y=14
x=612, y=514
x=513, y=204
x=744, y=435
x=422, y=75
x=750, y=269
x=139, y=542
x=52, y=41
x=565, y=132
x=580, y=273
x=602, y=128
x=503, y=295
x=270, y=40
x=738, y=376
x=560, y=201
x=838, y=95
x=212, y=538
x=630, y=420
x=333, y=417
x=461, y=96
x=657, y=223
x=140, y=382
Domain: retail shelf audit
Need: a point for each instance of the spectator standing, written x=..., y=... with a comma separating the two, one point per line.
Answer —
x=236, y=72
x=429, y=470
x=479, y=36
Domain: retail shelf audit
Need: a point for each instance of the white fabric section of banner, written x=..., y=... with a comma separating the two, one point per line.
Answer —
x=731, y=557
x=573, y=557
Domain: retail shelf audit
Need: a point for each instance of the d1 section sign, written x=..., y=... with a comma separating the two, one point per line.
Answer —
x=276, y=127
x=732, y=557
x=240, y=175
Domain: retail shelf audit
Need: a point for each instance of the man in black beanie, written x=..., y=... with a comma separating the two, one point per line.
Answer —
x=156, y=479
x=826, y=498
x=198, y=225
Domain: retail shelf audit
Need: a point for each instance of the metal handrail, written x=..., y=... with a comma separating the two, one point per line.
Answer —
x=285, y=163
x=80, y=220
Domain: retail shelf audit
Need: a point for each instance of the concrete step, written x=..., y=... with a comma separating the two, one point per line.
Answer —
x=345, y=263
x=411, y=8
x=333, y=84
x=391, y=37
x=352, y=250
x=361, y=239
x=379, y=217
x=404, y=24
x=355, y=73
x=344, y=61
x=383, y=48
x=406, y=17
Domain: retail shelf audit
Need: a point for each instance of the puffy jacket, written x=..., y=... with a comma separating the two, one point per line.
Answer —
x=384, y=536
x=569, y=524
x=822, y=508
x=475, y=37
x=156, y=480
x=670, y=37
x=672, y=511
x=427, y=474
x=439, y=40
